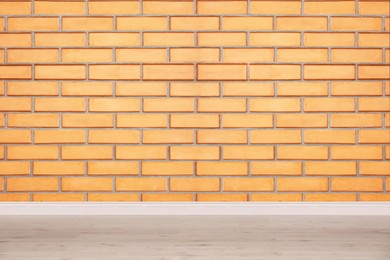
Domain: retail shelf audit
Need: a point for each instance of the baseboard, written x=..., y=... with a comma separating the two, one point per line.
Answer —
x=196, y=208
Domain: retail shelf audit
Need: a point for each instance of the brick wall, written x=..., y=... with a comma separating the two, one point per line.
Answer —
x=194, y=100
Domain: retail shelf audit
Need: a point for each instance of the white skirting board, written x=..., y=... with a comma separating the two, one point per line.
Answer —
x=194, y=208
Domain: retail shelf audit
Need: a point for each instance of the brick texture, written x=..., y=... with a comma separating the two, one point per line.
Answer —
x=184, y=100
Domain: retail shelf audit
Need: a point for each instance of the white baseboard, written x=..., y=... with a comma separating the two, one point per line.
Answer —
x=195, y=208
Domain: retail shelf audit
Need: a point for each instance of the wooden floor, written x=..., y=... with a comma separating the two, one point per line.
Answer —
x=201, y=237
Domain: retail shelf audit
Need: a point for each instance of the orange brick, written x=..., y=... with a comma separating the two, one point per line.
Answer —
x=329, y=7
x=15, y=136
x=15, y=7
x=169, y=104
x=329, y=104
x=168, y=136
x=58, y=168
x=194, y=89
x=15, y=39
x=168, y=7
x=1, y=51
x=167, y=197
x=112, y=168
x=141, y=152
x=86, y=55
x=141, y=55
x=356, y=152
x=330, y=168
x=301, y=120
x=275, y=72
x=15, y=104
x=374, y=136
x=329, y=39
x=302, y=88
x=275, y=105
x=222, y=136
x=387, y=120
x=374, y=72
x=374, y=168
x=248, y=55
x=194, y=55
x=59, y=136
x=356, y=55
x=222, y=39
x=87, y=23
x=33, y=24
x=14, y=197
x=221, y=105
x=357, y=184
x=194, y=121
x=60, y=72
x=330, y=197
x=275, y=136
x=60, y=39
x=246, y=120
x=248, y=152
x=114, y=72
x=374, y=197
x=114, y=39
x=356, y=120
x=86, y=184
x=275, y=7
x=374, y=104
x=167, y=168
x=219, y=7
x=247, y=23
x=329, y=72
x=387, y=184
x=86, y=152
x=57, y=197
x=113, y=136
x=302, y=152
x=32, y=152
x=31, y=55
x=141, y=184
x=114, y=104
x=142, y=23
x=194, y=153
x=142, y=120
x=221, y=72
x=33, y=120
x=222, y=197
x=221, y=168
x=248, y=184
x=356, y=24
x=302, y=184
x=275, y=39
x=374, y=7
x=387, y=152
x=168, y=39
x=32, y=88
x=15, y=72
x=48, y=7
x=248, y=89
x=14, y=168
x=194, y=23
x=194, y=184
x=86, y=89
x=2, y=152
x=374, y=40
x=113, y=7
x=141, y=89
x=112, y=197
x=301, y=23
x=168, y=72
x=60, y=104
x=32, y=184
x=329, y=136
x=387, y=24
x=276, y=197
x=1, y=120
x=302, y=55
